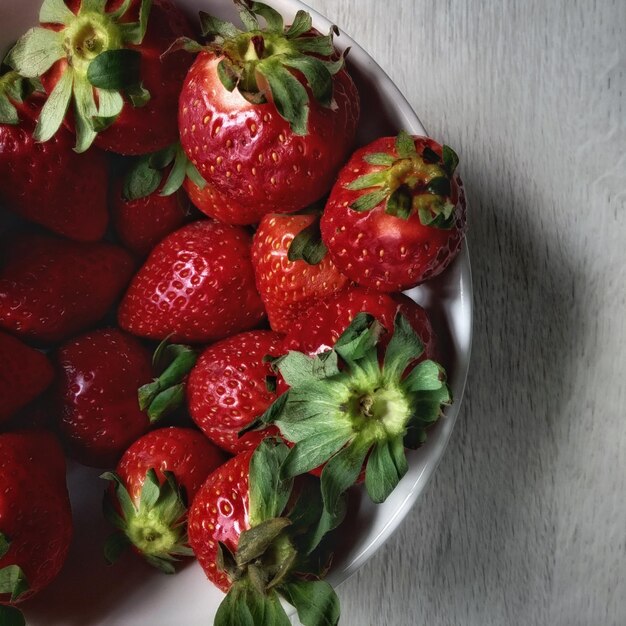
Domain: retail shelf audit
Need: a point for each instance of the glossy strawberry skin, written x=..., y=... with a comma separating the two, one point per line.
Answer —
x=289, y=289
x=249, y=152
x=227, y=388
x=184, y=452
x=99, y=374
x=24, y=374
x=382, y=251
x=35, y=510
x=140, y=130
x=196, y=286
x=48, y=183
x=324, y=323
x=142, y=223
x=220, y=513
x=50, y=289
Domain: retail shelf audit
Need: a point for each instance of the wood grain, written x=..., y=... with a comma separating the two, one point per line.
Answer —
x=525, y=520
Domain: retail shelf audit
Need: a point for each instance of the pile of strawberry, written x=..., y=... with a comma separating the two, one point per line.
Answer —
x=235, y=238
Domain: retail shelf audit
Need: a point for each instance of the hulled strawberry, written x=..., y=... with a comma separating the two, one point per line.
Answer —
x=197, y=285
x=267, y=110
x=349, y=409
x=153, y=485
x=231, y=385
x=396, y=215
x=24, y=374
x=106, y=58
x=35, y=518
x=99, y=375
x=256, y=538
x=291, y=267
x=48, y=184
x=50, y=288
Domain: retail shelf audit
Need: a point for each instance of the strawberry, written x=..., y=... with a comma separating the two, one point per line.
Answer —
x=48, y=183
x=396, y=215
x=197, y=285
x=257, y=539
x=106, y=57
x=291, y=267
x=99, y=375
x=231, y=385
x=35, y=518
x=153, y=484
x=51, y=289
x=266, y=111
x=24, y=374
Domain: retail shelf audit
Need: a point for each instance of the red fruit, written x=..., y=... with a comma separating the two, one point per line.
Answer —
x=24, y=374
x=35, y=515
x=290, y=288
x=176, y=462
x=197, y=285
x=99, y=375
x=142, y=223
x=51, y=289
x=127, y=120
x=323, y=325
x=396, y=215
x=256, y=128
x=230, y=386
x=48, y=183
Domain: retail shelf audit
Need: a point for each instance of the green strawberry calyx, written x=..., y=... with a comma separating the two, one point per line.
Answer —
x=99, y=67
x=273, y=62
x=409, y=183
x=166, y=393
x=308, y=245
x=282, y=553
x=148, y=173
x=156, y=526
x=345, y=409
x=14, y=90
x=13, y=583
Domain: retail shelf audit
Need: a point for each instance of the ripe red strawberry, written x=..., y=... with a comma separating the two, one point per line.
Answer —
x=154, y=483
x=50, y=289
x=48, y=183
x=256, y=540
x=197, y=285
x=324, y=324
x=231, y=385
x=24, y=374
x=107, y=58
x=292, y=277
x=265, y=114
x=396, y=215
x=35, y=517
x=99, y=375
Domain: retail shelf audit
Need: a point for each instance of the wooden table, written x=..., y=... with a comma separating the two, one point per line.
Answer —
x=525, y=520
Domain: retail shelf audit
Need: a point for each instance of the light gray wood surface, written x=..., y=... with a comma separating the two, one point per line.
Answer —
x=524, y=522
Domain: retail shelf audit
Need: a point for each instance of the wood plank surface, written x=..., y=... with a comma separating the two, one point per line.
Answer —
x=524, y=522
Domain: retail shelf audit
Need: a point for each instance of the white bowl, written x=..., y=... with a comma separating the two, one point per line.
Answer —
x=90, y=593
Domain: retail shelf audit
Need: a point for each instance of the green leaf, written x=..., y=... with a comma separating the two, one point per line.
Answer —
x=425, y=376
x=177, y=175
x=369, y=200
x=440, y=185
x=166, y=402
x=55, y=12
x=404, y=347
x=405, y=145
x=299, y=369
x=134, y=32
x=386, y=465
x=289, y=95
x=36, y=51
x=121, y=10
x=244, y=605
x=373, y=179
x=11, y=616
x=400, y=203
x=312, y=452
x=255, y=541
x=228, y=75
x=160, y=160
x=428, y=404
x=341, y=472
x=379, y=158
x=8, y=112
x=92, y=6
x=315, y=600
x=307, y=245
x=110, y=103
x=268, y=493
x=317, y=76
x=302, y=23
x=246, y=16
x=126, y=504
x=138, y=95
x=194, y=175
x=214, y=27
x=273, y=18
x=13, y=581
x=321, y=45
x=5, y=544
x=150, y=490
x=271, y=414
x=359, y=338
x=115, y=69
x=450, y=159
x=114, y=546
x=55, y=108
x=85, y=107
x=141, y=180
